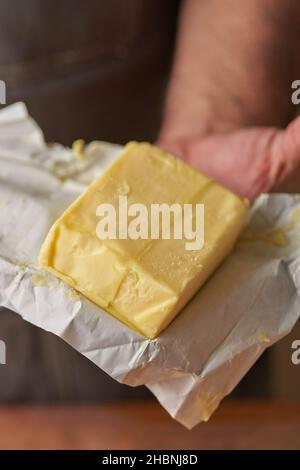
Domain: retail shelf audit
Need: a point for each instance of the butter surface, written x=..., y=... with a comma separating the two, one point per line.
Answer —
x=144, y=283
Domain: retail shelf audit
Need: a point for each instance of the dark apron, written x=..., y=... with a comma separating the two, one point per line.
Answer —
x=91, y=69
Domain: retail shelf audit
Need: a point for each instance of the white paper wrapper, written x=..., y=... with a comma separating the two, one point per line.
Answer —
x=249, y=303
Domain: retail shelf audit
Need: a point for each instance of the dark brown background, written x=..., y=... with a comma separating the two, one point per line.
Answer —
x=93, y=69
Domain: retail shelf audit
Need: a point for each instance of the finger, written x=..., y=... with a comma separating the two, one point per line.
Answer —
x=286, y=159
x=238, y=160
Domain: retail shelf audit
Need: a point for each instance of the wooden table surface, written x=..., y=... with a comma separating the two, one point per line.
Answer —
x=235, y=425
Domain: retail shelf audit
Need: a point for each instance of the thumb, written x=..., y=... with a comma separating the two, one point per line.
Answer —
x=286, y=159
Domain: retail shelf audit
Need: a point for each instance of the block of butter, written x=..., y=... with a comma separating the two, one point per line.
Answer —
x=146, y=281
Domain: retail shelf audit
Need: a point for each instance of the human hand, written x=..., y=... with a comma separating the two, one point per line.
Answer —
x=249, y=161
x=228, y=96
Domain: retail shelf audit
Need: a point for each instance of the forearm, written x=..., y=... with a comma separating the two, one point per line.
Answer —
x=233, y=66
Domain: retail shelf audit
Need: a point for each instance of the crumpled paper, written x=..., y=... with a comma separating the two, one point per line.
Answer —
x=250, y=302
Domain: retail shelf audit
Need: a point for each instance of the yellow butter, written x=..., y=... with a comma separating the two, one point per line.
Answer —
x=143, y=282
